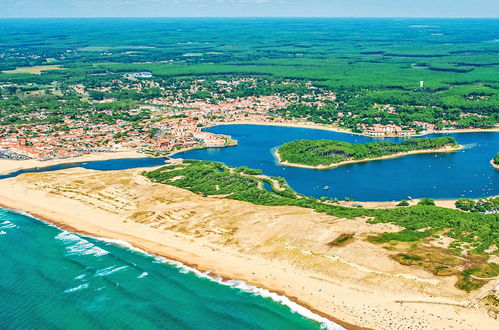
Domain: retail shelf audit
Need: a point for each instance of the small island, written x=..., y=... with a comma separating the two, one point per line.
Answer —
x=323, y=154
x=495, y=162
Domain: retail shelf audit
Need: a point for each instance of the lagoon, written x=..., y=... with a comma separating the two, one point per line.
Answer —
x=464, y=173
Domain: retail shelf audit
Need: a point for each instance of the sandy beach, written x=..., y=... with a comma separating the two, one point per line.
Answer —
x=283, y=249
x=297, y=125
x=347, y=131
x=9, y=165
x=463, y=130
x=496, y=166
x=402, y=154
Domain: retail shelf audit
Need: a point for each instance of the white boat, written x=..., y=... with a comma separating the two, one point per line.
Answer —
x=326, y=188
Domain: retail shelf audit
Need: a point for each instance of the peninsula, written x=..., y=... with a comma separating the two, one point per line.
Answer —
x=365, y=267
x=324, y=154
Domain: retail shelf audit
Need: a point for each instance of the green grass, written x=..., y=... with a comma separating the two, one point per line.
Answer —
x=419, y=222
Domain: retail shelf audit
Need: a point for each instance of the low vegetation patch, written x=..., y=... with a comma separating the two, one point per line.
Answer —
x=472, y=233
x=405, y=235
x=342, y=240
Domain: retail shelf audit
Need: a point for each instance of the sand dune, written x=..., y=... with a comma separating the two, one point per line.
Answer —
x=283, y=249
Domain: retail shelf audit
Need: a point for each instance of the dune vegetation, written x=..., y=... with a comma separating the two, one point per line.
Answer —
x=473, y=236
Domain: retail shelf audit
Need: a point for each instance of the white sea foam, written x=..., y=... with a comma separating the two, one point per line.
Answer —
x=294, y=307
x=79, y=246
x=283, y=300
x=109, y=270
x=123, y=244
x=144, y=274
x=79, y=287
x=80, y=277
x=7, y=225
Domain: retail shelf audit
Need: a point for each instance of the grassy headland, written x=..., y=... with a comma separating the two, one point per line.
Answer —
x=433, y=238
x=329, y=153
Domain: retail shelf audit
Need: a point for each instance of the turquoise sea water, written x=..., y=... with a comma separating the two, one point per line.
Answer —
x=465, y=173
x=53, y=279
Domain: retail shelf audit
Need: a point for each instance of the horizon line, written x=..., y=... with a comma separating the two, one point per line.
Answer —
x=253, y=17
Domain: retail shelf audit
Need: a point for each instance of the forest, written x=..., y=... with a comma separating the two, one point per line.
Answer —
x=437, y=71
x=328, y=152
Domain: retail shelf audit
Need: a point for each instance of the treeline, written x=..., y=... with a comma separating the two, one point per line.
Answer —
x=327, y=152
x=460, y=107
x=496, y=159
x=482, y=205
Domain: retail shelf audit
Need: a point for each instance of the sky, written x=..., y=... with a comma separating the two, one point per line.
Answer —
x=249, y=8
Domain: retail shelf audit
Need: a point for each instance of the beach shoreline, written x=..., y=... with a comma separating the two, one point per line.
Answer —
x=348, y=162
x=144, y=248
x=347, y=131
x=336, y=298
x=295, y=125
x=147, y=247
x=494, y=165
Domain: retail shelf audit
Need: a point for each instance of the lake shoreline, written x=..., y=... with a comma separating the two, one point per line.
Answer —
x=348, y=162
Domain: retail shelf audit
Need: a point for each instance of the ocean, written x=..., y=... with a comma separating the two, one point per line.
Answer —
x=54, y=279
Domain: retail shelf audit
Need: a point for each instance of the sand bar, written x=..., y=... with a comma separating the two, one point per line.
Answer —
x=358, y=283
x=9, y=165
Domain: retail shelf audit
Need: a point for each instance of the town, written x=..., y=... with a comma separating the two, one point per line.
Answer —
x=134, y=111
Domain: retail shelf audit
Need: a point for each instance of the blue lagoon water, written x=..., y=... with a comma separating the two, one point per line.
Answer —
x=53, y=279
x=101, y=165
x=465, y=173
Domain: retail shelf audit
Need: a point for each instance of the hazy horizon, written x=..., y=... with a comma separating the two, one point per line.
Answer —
x=249, y=9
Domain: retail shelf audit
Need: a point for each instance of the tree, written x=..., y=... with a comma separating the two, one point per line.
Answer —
x=427, y=201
